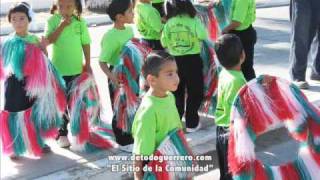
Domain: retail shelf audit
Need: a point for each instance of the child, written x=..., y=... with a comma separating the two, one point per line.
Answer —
x=148, y=22
x=182, y=35
x=113, y=41
x=243, y=14
x=157, y=114
x=231, y=55
x=16, y=98
x=158, y=4
x=68, y=33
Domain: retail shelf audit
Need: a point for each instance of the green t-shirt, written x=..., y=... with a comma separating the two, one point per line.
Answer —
x=67, y=50
x=155, y=118
x=230, y=82
x=243, y=11
x=112, y=44
x=157, y=1
x=182, y=35
x=148, y=21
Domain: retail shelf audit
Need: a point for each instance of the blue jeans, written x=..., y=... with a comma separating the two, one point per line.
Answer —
x=305, y=37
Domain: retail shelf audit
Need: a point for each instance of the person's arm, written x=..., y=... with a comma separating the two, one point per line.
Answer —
x=85, y=41
x=138, y=164
x=55, y=35
x=239, y=14
x=43, y=43
x=86, y=51
x=232, y=26
x=104, y=67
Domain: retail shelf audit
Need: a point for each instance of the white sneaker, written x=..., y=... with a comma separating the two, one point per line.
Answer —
x=301, y=84
x=127, y=148
x=191, y=130
x=63, y=142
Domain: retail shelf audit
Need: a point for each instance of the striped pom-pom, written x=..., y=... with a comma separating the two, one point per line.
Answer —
x=211, y=70
x=256, y=109
x=173, y=145
x=88, y=131
x=126, y=98
x=6, y=136
x=13, y=53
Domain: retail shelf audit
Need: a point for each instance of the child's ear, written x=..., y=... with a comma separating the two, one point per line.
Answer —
x=243, y=56
x=119, y=17
x=150, y=79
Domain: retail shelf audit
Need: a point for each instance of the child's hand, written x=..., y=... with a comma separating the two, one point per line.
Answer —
x=87, y=68
x=115, y=81
x=44, y=42
x=66, y=21
x=267, y=80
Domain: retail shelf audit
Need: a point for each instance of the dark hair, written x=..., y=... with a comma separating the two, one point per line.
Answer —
x=229, y=49
x=154, y=61
x=21, y=7
x=117, y=7
x=179, y=7
x=78, y=4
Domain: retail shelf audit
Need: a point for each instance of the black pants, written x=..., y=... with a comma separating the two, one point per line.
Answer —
x=159, y=7
x=16, y=98
x=153, y=44
x=63, y=131
x=248, y=39
x=191, y=79
x=222, y=152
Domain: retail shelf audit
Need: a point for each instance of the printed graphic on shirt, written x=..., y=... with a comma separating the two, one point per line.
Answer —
x=182, y=37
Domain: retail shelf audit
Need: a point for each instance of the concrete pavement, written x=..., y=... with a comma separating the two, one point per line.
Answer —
x=93, y=19
x=271, y=57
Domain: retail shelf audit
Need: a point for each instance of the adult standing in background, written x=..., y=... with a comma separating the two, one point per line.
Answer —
x=305, y=18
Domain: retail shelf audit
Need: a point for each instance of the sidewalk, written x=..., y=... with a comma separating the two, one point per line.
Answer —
x=92, y=19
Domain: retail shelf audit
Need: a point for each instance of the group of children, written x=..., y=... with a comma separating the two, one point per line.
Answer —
x=172, y=25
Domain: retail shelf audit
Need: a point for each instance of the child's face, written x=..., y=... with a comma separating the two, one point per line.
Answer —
x=20, y=22
x=128, y=15
x=66, y=7
x=168, y=79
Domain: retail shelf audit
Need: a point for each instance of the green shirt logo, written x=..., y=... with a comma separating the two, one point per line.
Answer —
x=182, y=37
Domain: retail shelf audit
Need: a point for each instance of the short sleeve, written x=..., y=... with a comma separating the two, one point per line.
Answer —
x=144, y=133
x=155, y=21
x=85, y=36
x=50, y=26
x=107, y=49
x=240, y=10
x=201, y=30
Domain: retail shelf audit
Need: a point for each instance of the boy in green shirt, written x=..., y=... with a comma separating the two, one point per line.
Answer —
x=231, y=55
x=121, y=13
x=157, y=114
x=149, y=25
x=243, y=14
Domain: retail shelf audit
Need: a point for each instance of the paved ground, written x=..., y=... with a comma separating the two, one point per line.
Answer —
x=271, y=57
